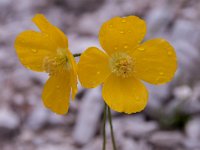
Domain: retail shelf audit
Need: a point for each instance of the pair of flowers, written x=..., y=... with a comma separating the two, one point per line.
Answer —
x=119, y=69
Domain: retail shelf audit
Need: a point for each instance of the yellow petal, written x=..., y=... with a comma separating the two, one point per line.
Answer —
x=127, y=95
x=73, y=73
x=120, y=34
x=93, y=67
x=55, y=35
x=32, y=48
x=56, y=93
x=155, y=61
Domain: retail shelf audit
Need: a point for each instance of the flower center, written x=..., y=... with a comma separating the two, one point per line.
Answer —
x=121, y=64
x=56, y=64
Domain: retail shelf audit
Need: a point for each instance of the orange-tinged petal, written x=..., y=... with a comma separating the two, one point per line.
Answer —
x=55, y=35
x=32, y=48
x=56, y=93
x=121, y=34
x=127, y=95
x=93, y=67
x=155, y=61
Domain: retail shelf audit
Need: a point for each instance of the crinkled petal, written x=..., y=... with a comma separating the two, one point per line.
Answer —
x=56, y=93
x=121, y=34
x=32, y=48
x=127, y=95
x=93, y=67
x=55, y=35
x=155, y=61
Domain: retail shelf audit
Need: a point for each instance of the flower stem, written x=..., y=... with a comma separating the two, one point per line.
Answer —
x=104, y=127
x=77, y=55
x=111, y=129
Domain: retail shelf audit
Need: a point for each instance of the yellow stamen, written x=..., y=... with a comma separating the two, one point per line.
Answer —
x=57, y=64
x=121, y=64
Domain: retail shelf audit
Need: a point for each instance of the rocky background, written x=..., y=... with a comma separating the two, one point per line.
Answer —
x=171, y=120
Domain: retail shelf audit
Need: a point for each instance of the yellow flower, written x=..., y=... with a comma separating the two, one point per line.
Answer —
x=47, y=51
x=125, y=63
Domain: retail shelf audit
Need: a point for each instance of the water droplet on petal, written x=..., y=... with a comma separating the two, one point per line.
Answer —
x=121, y=32
x=161, y=73
x=141, y=49
x=169, y=53
x=125, y=46
x=159, y=79
x=110, y=25
x=34, y=50
x=123, y=20
x=98, y=72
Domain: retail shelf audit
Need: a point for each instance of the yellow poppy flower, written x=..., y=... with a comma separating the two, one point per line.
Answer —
x=125, y=63
x=47, y=51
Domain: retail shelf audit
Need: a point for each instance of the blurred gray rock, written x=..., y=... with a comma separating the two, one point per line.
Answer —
x=8, y=120
x=38, y=117
x=88, y=117
x=184, y=28
x=188, y=60
x=82, y=5
x=183, y=92
x=130, y=144
x=21, y=80
x=138, y=128
x=168, y=139
x=192, y=128
x=158, y=19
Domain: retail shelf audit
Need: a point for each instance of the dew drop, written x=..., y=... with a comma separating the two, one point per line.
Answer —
x=161, y=73
x=110, y=25
x=125, y=46
x=116, y=48
x=34, y=50
x=98, y=72
x=169, y=53
x=159, y=79
x=123, y=20
x=121, y=32
x=141, y=49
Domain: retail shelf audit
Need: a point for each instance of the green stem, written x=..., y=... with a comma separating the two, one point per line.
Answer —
x=77, y=55
x=104, y=127
x=111, y=129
